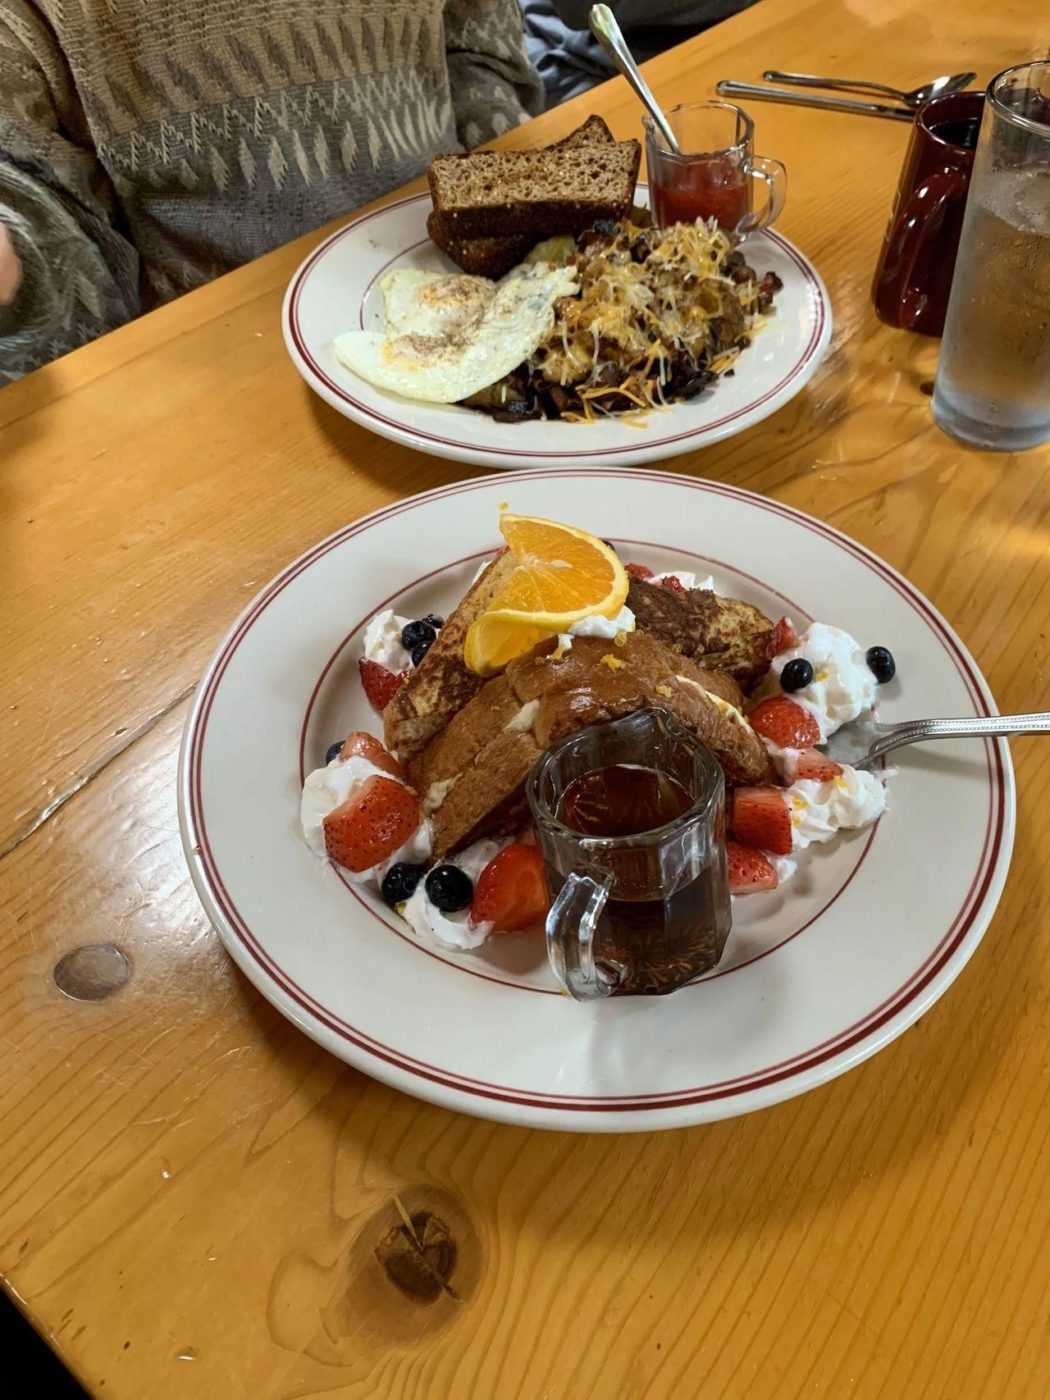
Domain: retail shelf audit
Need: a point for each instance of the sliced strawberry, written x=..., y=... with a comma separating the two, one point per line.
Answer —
x=749, y=871
x=785, y=723
x=784, y=637
x=368, y=746
x=511, y=892
x=371, y=825
x=673, y=585
x=816, y=766
x=760, y=817
x=638, y=570
x=380, y=685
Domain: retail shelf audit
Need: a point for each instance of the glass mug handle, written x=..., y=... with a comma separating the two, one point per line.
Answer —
x=571, y=925
x=774, y=176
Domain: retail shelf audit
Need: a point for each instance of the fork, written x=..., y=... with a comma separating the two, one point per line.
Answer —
x=872, y=740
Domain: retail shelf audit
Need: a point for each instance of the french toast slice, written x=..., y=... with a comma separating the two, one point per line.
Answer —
x=441, y=684
x=721, y=634
x=471, y=775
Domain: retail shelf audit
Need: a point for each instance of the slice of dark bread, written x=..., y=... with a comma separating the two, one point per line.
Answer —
x=493, y=256
x=482, y=257
x=561, y=189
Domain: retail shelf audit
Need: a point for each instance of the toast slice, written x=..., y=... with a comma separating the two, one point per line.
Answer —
x=441, y=684
x=471, y=775
x=721, y=634
x=560, y=189
x=489, y=256
x=482, y=257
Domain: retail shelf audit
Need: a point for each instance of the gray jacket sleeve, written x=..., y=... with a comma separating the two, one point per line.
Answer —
x=81, y=275
x=494, y=86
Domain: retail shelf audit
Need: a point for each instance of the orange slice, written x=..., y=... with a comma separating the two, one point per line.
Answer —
x=562, y=575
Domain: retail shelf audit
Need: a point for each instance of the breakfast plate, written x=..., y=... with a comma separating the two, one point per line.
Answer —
x=336, y=290
x=816, y=977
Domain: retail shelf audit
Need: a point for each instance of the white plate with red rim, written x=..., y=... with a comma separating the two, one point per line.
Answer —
x=336, y=290
x=816, y=977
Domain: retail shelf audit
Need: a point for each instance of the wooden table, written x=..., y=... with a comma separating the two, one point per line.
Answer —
x=191, y=1192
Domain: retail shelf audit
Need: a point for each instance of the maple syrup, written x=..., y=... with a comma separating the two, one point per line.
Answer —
x=662, y=923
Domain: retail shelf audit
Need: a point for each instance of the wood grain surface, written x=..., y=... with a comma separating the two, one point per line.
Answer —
x=195, y=1201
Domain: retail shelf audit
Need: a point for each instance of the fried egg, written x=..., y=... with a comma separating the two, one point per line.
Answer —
x=433, y=303
x=453, y=364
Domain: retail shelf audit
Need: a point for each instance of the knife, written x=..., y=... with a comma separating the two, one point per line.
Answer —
x=728, y=88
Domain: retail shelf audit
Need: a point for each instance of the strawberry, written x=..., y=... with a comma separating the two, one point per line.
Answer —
x=749, y=870
x=784, y=637
x=816, y=766
x=369, y=747
x=372, y=824
x=785, y=723
x=673, y=585
x=760, y=817
x=380, y=684
x=511, y=892
x=638, y=570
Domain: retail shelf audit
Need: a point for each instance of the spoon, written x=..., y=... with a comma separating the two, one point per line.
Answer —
x=870, y=740
x=606, y=30
x=913, y=97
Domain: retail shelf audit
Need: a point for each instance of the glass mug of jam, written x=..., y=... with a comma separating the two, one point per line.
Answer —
x=715, y=174
x=631, y=821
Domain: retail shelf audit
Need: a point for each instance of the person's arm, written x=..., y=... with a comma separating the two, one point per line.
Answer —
x=494, y=87
x=70, y=275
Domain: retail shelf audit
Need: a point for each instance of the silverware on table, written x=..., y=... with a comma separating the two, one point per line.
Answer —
x=730, y=88
x=911, y=97
x=859, y=744
x=606, y=30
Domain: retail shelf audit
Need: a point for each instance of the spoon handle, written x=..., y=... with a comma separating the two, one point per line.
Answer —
x=849, y=84
x=916, y=731
x=730, y=88
x=606, y=30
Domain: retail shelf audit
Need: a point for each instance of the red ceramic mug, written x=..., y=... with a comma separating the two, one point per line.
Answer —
x=914, y=274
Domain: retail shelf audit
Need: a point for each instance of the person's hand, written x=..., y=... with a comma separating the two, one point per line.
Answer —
x=10, y=268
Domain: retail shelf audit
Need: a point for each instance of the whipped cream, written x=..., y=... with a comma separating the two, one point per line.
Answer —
x=843, y=685
x=327, y=788
x=606, y=627
x=454, y=931
x=383, y=641
x=688, y=581
x=819, y=810
x=785, y=867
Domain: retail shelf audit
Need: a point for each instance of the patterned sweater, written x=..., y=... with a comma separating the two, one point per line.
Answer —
x=148, y=145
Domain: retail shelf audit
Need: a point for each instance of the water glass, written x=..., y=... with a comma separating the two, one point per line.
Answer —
x=993, y=379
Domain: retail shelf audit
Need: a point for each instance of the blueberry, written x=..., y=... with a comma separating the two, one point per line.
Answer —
x=414, y=634
x=333, y=751
x=796, y=675
x=449, y=888
x=436, y=622
x=417, y=654
x=609, y=544
x=881, y=664
x=400, y=881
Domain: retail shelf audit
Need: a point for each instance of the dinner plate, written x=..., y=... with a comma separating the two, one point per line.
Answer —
x=336, y=290
x=816, y=976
